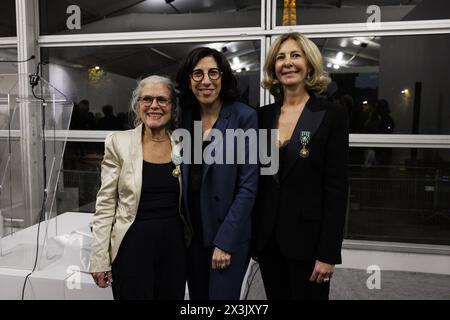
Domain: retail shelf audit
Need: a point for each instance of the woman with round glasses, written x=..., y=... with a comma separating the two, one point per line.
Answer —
x=138, y=229
x=218, y=197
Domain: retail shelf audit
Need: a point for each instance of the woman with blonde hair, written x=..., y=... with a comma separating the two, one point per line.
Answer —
x=300, y=211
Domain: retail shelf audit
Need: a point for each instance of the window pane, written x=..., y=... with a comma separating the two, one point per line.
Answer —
x=391, y=84
x=399, y=195
x=72, y=71
x=396, y=195
x=350, y=11
x=7, y=18
x=131, y=15
x=80, y=180
x=9, y=54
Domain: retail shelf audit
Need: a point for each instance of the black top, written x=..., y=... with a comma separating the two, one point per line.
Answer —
x=160, y=191
x=282, y=158
x=195, y=181
x=196, y=169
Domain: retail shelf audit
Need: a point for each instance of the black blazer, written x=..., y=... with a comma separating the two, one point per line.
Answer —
x=305, y=207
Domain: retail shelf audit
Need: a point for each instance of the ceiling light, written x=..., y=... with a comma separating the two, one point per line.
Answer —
x=356, y=42
x=336, y=66
x=216, y=46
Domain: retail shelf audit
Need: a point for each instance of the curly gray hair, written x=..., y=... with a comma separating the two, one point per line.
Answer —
x=173, y=96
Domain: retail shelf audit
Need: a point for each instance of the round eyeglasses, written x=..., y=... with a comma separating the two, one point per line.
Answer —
x=197, y=75
x=160, y=100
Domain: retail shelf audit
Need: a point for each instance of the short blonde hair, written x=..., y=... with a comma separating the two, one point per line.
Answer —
x=319, y=79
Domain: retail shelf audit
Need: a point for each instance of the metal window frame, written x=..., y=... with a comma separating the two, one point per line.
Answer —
x=92, y=41
x=419, y=27
x=265, y=33
x=396, y=247
x=53, y=40
x=8, y=42
x=356, y=140
x=360, y=29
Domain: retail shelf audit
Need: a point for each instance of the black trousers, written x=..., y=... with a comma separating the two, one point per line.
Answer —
x=151, y=262
x=198, y=267
x=286, y=279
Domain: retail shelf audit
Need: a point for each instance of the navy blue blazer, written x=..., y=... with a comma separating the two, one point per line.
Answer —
x=228, y=191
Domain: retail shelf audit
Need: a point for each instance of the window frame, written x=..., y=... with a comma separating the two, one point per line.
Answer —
x=265, y=33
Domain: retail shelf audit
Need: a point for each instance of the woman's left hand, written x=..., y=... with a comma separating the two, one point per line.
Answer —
x=322, y=272
x=220, y=259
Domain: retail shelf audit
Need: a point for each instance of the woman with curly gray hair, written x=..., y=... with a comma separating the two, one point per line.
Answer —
x=138, y=230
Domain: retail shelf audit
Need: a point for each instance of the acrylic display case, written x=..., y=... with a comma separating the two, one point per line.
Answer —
x=34, y=124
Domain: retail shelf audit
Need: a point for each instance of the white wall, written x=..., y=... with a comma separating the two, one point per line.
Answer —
x=114, y=89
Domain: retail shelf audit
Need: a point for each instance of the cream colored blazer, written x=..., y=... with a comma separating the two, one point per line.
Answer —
x=119, y=195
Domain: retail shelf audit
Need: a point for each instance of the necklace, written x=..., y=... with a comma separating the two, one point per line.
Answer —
x=157, y=140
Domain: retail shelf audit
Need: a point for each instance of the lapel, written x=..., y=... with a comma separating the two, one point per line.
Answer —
x=186, y=124
x=221, y=125
x=271, y=123
x=136, y=161
x=176, y=152
x=309, y=120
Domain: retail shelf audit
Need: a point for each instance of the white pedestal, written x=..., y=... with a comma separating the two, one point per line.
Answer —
x=63, y=272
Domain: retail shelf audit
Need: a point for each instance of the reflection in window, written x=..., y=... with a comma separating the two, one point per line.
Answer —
x=101, y=79
x=133, y=15
x=80, y=177
x=391, y=84
x=399, y=195
x=8, y=18
x=8, y=55
x=302, y=12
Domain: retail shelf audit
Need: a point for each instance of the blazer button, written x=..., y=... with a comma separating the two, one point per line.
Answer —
x=216, y=198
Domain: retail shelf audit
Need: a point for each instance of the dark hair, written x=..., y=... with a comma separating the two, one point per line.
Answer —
x=229, y=91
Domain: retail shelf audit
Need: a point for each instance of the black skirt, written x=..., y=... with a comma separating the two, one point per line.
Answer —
x=151, y=262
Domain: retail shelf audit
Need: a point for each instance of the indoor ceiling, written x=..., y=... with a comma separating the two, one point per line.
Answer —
x=359, y=55
x=138, y=60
